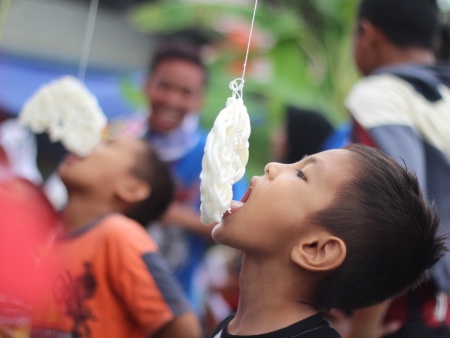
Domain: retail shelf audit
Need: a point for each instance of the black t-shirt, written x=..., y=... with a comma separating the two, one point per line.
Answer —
x=312, y=327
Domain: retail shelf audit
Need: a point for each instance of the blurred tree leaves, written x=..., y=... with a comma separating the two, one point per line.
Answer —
x=310, y=55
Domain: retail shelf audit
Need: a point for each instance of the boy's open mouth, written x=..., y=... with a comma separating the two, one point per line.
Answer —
x=247, y=193
x=236, y=205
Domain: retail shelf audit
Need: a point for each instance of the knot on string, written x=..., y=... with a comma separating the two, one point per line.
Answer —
x=237, y=86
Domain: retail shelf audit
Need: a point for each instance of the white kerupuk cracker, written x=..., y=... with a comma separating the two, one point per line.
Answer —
x=226, y=155
x=69, y=112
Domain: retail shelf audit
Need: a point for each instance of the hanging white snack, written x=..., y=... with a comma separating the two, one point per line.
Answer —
x=68, y=112
x=226, y=151
x=225, y=157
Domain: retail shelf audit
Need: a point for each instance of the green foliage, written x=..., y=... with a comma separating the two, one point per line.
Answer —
x=135, y=98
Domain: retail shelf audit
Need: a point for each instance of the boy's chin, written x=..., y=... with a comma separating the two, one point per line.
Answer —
x=215, y=230
x=218, y=233
x=221, y=230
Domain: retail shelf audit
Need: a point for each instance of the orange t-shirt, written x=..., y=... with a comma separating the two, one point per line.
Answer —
x=110, y=282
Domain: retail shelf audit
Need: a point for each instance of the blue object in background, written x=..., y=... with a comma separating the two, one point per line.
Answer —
x=339, y=138
x=21, y=77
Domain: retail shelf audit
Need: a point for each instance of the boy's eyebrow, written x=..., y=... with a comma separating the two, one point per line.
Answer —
x=309, y=160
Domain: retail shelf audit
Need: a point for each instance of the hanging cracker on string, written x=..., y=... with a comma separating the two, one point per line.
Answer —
x=225, y=158
x=68, y=112
x=226, y=151
x=66, y=109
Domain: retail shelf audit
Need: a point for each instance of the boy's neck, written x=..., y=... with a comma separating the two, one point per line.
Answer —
x=269, y=298
x=398, y=56
x=81, y=210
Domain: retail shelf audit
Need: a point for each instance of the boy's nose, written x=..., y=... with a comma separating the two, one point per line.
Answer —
x=272, y=169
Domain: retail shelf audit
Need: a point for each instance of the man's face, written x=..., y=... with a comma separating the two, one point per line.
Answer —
x=278, y=206
x=110, y=162
x=174, y=89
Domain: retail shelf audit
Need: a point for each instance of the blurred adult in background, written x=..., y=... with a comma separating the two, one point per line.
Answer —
x=402, y=106
x=175, y=89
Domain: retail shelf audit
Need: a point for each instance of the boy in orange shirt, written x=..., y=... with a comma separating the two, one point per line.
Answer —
x=110, y=280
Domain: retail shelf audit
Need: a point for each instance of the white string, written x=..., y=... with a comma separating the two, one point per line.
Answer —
x=237, y=85
x=87, y=41
x=249, y=40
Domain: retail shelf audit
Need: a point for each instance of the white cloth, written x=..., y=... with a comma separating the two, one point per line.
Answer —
x=20, y=147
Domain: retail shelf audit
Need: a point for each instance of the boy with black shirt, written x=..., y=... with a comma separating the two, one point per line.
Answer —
x=341, y=229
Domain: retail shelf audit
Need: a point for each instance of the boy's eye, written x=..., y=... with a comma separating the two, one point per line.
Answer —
x=301, y=174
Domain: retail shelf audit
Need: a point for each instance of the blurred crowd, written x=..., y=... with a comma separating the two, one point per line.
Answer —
x=117, y=234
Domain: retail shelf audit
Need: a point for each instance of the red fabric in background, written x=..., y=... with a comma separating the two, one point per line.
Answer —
x=26, y=220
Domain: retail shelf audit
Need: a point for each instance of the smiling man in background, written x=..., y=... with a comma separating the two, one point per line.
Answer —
x=175, y=88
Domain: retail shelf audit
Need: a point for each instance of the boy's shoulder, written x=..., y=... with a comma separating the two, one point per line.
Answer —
x=382, y=84
x=404, y=81
x=312, y=327
x=123, y=231
x=381, y=99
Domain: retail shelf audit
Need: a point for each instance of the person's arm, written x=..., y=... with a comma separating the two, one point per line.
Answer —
x=183, y=216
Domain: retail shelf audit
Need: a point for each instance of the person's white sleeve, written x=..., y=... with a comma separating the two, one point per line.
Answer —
x=20, y=147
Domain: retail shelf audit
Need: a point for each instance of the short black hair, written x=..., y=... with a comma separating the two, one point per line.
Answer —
x=306, y=132
x=178, y=51
x=406, y=23
x=157, y=174
x=389, y=230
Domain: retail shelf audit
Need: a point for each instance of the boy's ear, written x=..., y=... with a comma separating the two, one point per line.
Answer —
x=319, y=253
x=133, y=190
x=372, y=34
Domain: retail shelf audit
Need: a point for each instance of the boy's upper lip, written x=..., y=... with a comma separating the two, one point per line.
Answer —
x=249, y=190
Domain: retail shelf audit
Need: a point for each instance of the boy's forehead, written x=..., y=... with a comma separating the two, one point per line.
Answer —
x=343, y=156
x=329, y=157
